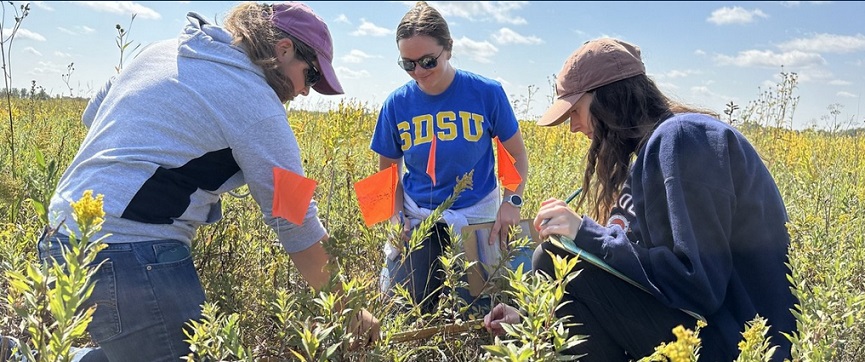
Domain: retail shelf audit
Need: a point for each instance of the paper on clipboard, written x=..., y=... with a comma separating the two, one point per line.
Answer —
x=568, y=245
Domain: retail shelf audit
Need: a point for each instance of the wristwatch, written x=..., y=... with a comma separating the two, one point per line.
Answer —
x=514, y=200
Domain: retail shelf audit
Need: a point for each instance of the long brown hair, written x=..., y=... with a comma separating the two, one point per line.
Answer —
x=423, y=19
x=250, y=24
x=623, y=114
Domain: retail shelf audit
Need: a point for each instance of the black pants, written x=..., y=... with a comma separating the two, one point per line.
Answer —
x=422, y=274
x=621, y=321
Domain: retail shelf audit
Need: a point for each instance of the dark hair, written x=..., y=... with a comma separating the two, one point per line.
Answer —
x=623, y=114
x=423, y=19
x=250, y=24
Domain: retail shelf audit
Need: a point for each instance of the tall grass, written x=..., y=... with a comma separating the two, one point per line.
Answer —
x=259, y=307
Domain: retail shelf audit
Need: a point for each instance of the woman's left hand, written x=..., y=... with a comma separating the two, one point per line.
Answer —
x=508, y=216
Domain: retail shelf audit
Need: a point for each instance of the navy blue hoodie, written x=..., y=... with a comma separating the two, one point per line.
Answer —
x=701, y=224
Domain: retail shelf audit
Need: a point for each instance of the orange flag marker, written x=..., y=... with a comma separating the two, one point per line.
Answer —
x=292, y=194
x=508, y=174
x=376, y=195
x=431, y=162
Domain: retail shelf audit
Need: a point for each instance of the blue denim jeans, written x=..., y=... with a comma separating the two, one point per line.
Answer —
x=145, y=293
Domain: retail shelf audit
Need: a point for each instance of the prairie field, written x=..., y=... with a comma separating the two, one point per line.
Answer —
x=259, y=307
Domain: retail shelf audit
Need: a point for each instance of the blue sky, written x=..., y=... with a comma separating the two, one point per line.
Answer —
x=701, y=53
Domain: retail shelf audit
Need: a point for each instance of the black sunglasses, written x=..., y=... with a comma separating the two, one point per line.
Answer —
x=312, y=74
x=427, y=62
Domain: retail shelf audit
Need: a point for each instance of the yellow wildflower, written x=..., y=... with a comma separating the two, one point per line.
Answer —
x=682, y=350
x=87, y=211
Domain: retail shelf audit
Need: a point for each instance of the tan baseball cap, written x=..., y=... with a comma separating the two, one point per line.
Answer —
x=595, y=64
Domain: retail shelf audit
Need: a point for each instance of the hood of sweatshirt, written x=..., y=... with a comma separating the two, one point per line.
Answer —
x=202, y=40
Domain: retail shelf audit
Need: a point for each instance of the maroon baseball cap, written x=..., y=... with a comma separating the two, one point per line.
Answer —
x=299, y=21
x=595, y=64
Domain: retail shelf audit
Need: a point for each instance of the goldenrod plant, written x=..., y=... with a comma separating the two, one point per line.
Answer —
x=540, y=335
x=686, y=347
x=49, y=297
x=216, y=337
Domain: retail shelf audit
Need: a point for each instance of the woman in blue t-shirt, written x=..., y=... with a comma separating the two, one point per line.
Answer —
x=692, y=214
x=463, y=112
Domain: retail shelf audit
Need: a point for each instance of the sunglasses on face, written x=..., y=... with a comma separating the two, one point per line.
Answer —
x=311, y=74
x=427, y=62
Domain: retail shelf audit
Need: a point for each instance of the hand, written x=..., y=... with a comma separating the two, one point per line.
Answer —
x=366, y=330
x=555, y=217
x=501, y=314
x=402, y=223
x=507, y=217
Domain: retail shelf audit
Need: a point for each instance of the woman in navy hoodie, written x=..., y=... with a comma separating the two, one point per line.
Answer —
x=692, y=215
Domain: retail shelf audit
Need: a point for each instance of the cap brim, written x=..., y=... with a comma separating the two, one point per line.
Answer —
x=328, y=84
x=558, y=112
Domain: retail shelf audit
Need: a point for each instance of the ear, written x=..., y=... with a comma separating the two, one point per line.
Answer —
x=284, y=50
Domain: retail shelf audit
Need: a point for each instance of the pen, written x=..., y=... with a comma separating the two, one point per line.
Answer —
x=567, y=201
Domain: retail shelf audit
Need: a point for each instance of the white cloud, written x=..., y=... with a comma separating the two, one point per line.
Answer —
x=735, y=15
x=818, y=75
x=666, y=86
x=497, y=11
x=368, y=28
x=704, y=93
x=78, y=30
x=67, y=31
x=700, y=52
x=673, y=74
x=24, y=34
x=33, y=51
x=508, y=36
x=60, y=54
x=827, y=43
x=793, y=4
x=121, y=7
x=342, y=19
x=478, y=51
x=344, y=72
x=770, y=84
x=42, y=5
x=43, y=67
x=504, y=82
x=702, y=90
x=357, y=56
x=846, y=94
x=839, y=82
x=768, y=58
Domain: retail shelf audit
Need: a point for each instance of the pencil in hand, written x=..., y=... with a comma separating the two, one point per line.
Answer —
x=567, y=201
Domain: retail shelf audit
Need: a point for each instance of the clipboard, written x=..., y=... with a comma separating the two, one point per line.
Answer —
x=477, y=248
x=568, y=245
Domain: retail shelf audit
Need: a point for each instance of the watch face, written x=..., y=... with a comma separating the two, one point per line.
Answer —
x=516, y=200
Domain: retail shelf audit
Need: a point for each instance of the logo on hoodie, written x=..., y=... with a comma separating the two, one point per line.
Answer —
x=623, y=213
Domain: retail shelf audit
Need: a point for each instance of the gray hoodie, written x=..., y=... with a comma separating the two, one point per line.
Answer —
x=186, y=121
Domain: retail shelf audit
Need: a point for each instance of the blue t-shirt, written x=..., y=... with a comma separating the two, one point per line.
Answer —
x=464, y=119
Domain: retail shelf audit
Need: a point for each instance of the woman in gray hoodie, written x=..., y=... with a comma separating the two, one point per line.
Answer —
x=186, y=121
